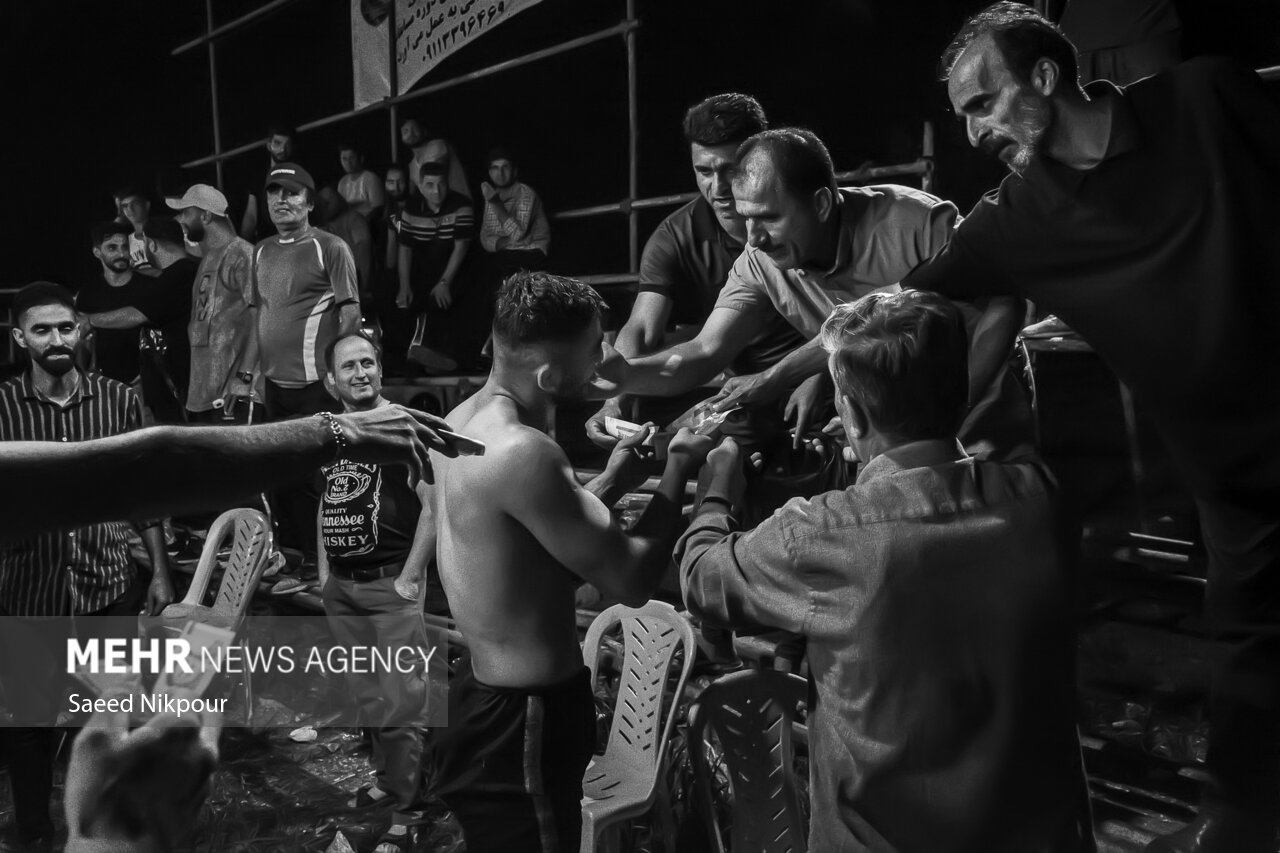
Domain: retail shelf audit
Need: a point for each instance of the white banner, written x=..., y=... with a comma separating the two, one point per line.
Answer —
x=426, y=32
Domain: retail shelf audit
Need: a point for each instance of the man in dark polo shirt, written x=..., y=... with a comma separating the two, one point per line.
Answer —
x=376, y=538
x=1144, y=217
x=115, y=351
x=687, y=259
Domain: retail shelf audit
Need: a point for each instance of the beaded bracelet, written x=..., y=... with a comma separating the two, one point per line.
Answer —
x=339, y=437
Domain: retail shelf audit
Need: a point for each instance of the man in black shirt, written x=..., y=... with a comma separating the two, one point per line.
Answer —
x=1144, y=218
x=376, y=537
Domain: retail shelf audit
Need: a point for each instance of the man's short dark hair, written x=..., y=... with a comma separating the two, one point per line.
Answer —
x=163, y=229
x=101, y=231
x=281, y=130
x=126, y=191
x=726, y=119
x=905, y=358
x=499, y=152
x=333, y=346
x=349, y=146
x=396, y=167
x=434, y=168
x=799, y=159
x=1021, y=35
x=534, y=307
x=39, y=293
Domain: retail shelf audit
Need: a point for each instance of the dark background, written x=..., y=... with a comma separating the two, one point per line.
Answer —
x=96, y=101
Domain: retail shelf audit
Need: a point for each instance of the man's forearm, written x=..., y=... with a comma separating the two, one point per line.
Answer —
x=189, y=469
x=992, y=343
x=673, y=371
x=658, y=529
x=798, y=365
x=118, y=318
x=152, y=533
x=349, y=318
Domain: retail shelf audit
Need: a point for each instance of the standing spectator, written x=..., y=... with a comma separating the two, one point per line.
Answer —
x=256, y=222
x=136, y=208
x=429, y=149
x=165, y=361
x=305, y=290
x=434, y=233
x=115, y=350
x=334, y=215
x=376, y=538
x=81, y=572
x=223, y=330
x=395, y=325
x=358, y=185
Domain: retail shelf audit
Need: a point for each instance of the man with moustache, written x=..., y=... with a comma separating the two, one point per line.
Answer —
x=80, y=572
x=256, y=222
x=688, y=257
x=223, y=325
x=375, y=540
x=305, y=291
x=1143, y=218
x=516, y=532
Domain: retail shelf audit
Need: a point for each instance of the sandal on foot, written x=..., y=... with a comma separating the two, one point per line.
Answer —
x=364, y=800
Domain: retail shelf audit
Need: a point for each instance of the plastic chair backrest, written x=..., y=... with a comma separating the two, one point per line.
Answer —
x=751, y=714
x=651, y=635
x=250, y=538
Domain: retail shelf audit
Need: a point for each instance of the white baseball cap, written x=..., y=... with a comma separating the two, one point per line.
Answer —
x=202, y=196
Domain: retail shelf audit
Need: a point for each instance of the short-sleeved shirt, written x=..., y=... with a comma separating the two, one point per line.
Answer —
x=1165, y=257
x=115, y=350
x=298, y=285
x=526, y=227
x=221, y=322
x=884, y=233
x=73, y=570
x=368, y=514
x=360, y=188
x=431, y=235
x=687, y=259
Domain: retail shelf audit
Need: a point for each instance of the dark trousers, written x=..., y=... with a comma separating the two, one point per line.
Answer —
x=32, y=662
x=510, y=764
x=1242, y=605
x=294, y=506
x=393, y=704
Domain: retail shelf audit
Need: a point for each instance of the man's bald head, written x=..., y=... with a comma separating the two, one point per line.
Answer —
x=795, y=157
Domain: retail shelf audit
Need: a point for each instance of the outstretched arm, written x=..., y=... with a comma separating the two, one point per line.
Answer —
x=196, y=468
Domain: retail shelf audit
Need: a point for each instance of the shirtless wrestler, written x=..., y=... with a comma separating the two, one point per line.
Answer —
x=517, y=534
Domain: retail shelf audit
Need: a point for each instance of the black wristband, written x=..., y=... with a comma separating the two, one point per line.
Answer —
x=716, y=499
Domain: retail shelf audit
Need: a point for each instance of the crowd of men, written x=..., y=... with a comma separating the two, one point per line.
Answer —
x=929, y=586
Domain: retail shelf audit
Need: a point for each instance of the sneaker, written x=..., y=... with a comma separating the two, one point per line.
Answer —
x=432, y=360
x=289, y=585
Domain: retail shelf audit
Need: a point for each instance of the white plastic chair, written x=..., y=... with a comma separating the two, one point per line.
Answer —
x=249, y=533
x=621, y=784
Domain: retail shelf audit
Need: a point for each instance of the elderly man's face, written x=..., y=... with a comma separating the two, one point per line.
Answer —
x=779, y=223
x=1002, y=116
x=288, y=208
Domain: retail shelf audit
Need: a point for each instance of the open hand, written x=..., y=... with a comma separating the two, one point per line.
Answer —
x=744, y=390
x=595, y=425
x=804, y=404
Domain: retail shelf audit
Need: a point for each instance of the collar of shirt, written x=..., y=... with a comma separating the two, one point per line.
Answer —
x=915, y=454
x=844, y=239
x=305, y=232
x=1123, y=136
x=84, y=388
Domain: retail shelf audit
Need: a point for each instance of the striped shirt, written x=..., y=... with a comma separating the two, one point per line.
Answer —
x=298, y=285
x=525, y=229
x=79, y=570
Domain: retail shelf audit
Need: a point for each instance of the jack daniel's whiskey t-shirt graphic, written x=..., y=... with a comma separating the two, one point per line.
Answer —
x=368, y=514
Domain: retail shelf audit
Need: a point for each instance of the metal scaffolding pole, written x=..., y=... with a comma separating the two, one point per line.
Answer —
x=231, y=26
x=633, y=143
x=393, y=85
x=213, y=88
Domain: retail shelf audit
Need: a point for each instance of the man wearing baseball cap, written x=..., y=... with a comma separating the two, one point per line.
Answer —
x=305, y=289
x=225, y=379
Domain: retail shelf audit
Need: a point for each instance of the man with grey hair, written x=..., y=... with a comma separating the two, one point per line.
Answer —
x=940, y=642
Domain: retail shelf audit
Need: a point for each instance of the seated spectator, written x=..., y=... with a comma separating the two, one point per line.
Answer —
x=514, y=230
x=334, y=215
x=394, y=323
x=933, y=596
x=434, y=233
x=429, y=149
x=358, y=185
